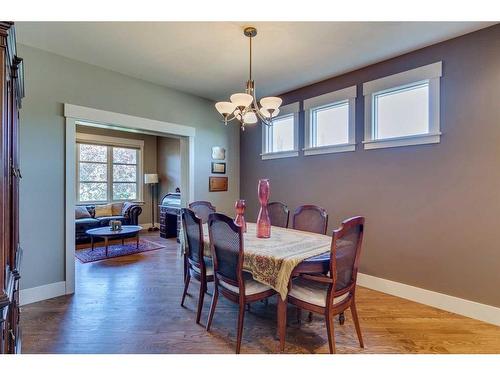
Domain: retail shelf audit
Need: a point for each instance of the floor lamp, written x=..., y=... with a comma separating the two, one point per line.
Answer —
x=152, y=179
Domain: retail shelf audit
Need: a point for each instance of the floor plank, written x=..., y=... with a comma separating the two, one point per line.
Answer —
x=132, y=305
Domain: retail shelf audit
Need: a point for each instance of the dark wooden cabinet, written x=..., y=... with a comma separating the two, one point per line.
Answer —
x=11, y=93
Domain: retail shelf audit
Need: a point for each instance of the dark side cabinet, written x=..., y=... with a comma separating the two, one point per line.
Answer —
x=11, y=93
x=170, y=209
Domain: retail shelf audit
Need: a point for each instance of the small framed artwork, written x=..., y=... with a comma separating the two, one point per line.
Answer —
x=217, y=183
x=218, y=167
x=218, y=153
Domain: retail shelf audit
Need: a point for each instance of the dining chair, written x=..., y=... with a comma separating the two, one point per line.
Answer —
x=202, y=209
x=238, y=286
x=279, y=214
x=310, y=218
x=335, y=292
x=197, y=266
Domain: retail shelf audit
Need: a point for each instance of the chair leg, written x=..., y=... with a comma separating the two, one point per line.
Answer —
x=310, y=317
x=248, y=306
x=186, y=285
x=203, y=287
x=341, y=318
x=355, y=319
x=299, y=315
x=241, y=317
x=331, y=332
x=212, y=307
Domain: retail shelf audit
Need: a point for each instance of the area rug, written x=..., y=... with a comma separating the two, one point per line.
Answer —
x=87, y=255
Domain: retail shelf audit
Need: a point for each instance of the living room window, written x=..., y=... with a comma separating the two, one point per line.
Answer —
x=108, y=172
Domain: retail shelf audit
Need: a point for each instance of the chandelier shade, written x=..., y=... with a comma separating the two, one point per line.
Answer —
x=243, y=105
x=271, y=102
x=268, y=114
x=225, y=108
x=241, y=99
x=250, y=118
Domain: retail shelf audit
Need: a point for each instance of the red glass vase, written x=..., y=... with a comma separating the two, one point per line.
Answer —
x=263, y=220
x=240, y=206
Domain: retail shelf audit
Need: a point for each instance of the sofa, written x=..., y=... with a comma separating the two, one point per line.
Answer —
x=95, y=216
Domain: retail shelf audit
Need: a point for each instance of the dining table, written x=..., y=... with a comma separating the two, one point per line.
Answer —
x=274, y=261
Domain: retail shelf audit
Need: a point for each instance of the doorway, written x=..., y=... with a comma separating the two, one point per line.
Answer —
x=78, y=115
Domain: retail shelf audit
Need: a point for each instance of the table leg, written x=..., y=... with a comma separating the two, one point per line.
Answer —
x=106, y=245
x=137, y=240
x=281, y=317
x=92, y=242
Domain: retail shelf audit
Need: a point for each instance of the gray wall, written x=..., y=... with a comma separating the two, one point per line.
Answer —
x=53, y=80
x=432, y=210
x=149, y=163
x=169, y=165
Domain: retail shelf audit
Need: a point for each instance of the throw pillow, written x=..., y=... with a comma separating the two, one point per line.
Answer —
x=116, y=209
x=103, y=210
x=81, y=212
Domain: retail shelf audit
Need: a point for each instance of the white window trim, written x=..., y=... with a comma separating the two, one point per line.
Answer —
x=429, y=73
x=286, y=110
x=116, y=142
x=347, y=94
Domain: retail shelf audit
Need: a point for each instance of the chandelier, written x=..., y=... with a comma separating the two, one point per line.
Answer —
x=243, y=106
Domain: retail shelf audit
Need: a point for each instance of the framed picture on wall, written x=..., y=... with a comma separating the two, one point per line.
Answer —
x=218, y=167
x=218, y=153
x=217, y=183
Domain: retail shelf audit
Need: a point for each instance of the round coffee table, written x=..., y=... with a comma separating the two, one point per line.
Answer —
x=108, y=234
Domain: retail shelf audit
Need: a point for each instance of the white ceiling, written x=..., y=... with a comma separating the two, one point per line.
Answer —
x=210, y=59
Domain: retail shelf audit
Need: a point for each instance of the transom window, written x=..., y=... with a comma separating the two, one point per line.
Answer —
x=280, y=135
x=281, y=139
x=403, y=109
x=330, y=124
x=107, y=173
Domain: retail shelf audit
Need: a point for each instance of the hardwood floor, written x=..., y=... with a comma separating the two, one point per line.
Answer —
x=132, y=305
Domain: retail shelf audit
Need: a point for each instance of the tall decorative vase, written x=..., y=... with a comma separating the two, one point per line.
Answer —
x=263, y=221
x=240, y=214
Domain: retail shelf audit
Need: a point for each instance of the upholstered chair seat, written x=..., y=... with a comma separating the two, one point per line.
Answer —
x=313, y=292
x=251, y=286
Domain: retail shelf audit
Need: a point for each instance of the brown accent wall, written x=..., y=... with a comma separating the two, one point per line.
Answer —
x=433, y=211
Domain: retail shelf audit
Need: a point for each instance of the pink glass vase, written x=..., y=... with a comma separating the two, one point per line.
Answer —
x=263, y=221
x=240, y=206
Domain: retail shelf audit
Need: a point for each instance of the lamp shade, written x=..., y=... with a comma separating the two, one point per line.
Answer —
x=225, y=108
x=241, y=99
x=150, y=178
x=270, y=102
x=250, y=118
x=266, y=113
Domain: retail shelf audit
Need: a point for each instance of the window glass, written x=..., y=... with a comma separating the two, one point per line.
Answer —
x=330, y=125
x=402, y=112
x=282, y=133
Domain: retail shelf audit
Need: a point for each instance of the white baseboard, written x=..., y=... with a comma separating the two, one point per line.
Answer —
x=42, y=292
x=471, y=309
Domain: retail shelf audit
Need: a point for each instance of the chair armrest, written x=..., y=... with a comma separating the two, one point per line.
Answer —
x=133, y=213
